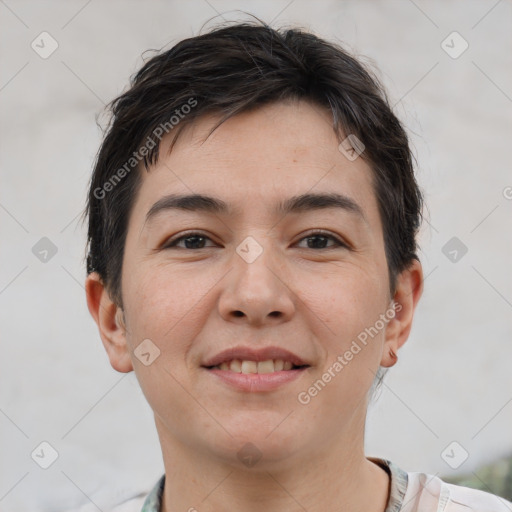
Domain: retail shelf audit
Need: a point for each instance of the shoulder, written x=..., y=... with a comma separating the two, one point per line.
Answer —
x=428, y=492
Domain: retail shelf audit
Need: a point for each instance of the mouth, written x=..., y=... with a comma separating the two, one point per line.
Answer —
x=252, y=370
x=258, y=367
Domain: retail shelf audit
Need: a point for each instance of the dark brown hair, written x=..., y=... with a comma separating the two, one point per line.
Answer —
x=234, y=69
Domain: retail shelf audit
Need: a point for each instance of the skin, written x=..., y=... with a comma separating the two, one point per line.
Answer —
x=193, y=303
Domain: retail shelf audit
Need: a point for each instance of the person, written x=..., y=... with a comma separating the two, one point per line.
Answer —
x=252, y=256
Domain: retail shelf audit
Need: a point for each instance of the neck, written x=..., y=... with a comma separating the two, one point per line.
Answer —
x=330, y=477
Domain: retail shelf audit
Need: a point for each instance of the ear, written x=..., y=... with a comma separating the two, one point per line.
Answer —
x=408, y=292
x=111, y=323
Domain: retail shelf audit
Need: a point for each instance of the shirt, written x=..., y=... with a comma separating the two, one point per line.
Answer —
x=409, y=492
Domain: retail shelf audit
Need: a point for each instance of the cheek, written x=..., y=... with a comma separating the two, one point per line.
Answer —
x=153, y=305
x=158, y=298
x=165, y=309
x=346, y=302
x=168, y=306
x=350, y=306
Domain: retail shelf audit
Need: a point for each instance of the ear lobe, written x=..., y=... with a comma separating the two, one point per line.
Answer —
x=110, y=321
x=408, y=292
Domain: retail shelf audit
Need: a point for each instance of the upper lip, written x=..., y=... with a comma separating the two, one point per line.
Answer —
x=252, y=354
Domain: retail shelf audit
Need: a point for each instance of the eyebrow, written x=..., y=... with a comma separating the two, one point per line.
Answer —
x=296, y=204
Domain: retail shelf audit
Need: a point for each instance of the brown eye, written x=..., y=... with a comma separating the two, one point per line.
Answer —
x=318, y=240
x=191, y=241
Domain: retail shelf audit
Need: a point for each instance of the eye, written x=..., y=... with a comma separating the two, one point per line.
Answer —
x=317, y=240
x=197, y=240
x=193, y=240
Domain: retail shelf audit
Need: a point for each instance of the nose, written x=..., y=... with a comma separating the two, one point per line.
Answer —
x=256, y=292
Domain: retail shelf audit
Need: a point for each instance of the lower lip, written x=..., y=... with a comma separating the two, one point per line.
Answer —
x=254, y=382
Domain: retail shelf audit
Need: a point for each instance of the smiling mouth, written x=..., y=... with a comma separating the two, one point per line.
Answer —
x=259, y=367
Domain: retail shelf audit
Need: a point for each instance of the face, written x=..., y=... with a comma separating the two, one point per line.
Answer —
x=307, y=278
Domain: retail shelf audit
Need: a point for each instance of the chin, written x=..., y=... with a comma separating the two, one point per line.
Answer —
x=264, y=445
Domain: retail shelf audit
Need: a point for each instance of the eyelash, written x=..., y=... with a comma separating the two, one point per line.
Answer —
x=339, y=243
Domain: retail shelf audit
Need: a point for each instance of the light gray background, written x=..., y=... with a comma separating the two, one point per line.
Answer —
x=453, y=380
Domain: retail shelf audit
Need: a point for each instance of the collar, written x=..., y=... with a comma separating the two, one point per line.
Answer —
x=398, y=487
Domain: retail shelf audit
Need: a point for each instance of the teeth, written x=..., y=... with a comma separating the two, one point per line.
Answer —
x=268, y=366
x=249, y=367
x=236, y=366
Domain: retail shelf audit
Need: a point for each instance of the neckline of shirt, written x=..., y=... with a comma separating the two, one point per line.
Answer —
x=397, y=489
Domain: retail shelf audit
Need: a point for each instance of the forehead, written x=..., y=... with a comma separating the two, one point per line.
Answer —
x=256, y=161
